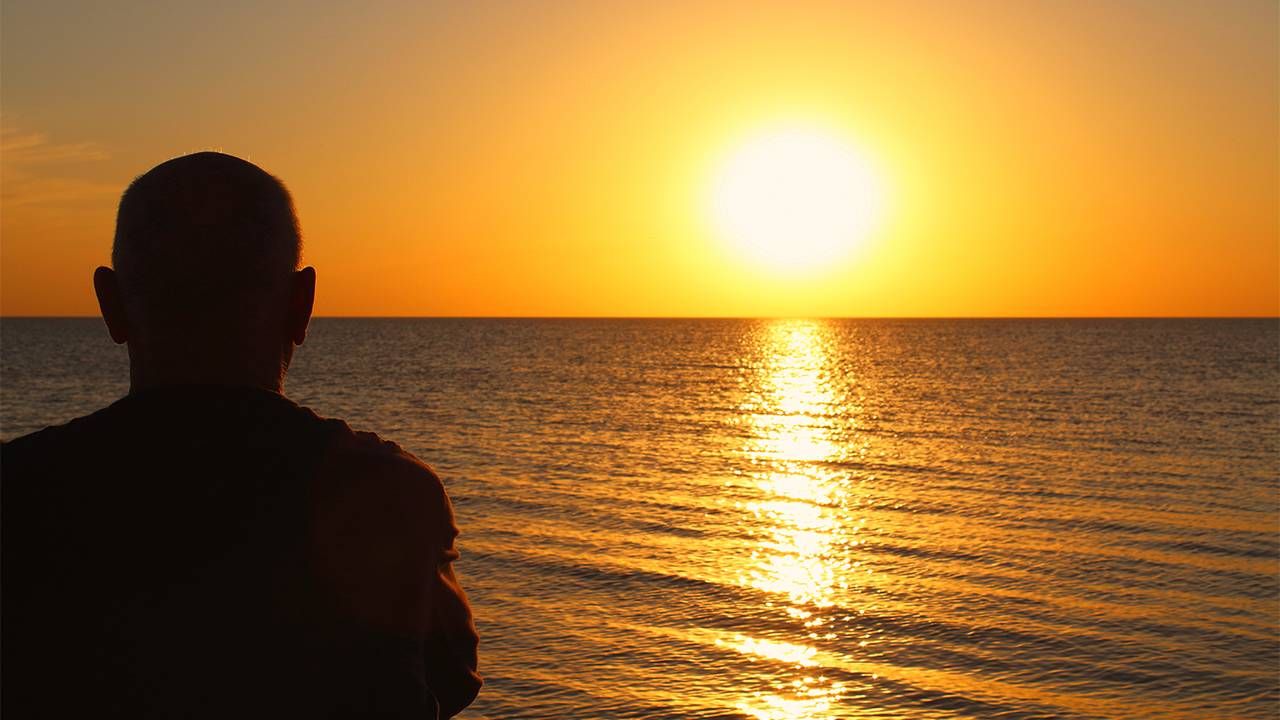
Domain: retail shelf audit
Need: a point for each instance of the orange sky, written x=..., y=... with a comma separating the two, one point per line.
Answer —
x=553, y=158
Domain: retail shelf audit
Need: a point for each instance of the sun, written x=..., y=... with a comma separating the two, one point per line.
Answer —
x=795, y=198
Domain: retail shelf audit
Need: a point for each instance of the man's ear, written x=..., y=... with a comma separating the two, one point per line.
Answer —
x=107, y=288
x=302, y=296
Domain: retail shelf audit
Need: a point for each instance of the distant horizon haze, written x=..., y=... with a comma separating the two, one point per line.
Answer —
x=733, y=317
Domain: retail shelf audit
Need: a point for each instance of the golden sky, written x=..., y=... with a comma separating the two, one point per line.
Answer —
x=557, y=158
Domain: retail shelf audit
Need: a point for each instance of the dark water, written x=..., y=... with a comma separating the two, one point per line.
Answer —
x=820, y=519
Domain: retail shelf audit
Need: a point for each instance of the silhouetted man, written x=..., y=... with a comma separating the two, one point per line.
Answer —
x=204, y=547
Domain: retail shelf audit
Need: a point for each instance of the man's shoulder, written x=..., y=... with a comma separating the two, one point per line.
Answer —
x=366, y=464
x=56, y=441
x=351, y=446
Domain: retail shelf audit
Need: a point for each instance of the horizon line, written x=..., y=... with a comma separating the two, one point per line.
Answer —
x=725, y=317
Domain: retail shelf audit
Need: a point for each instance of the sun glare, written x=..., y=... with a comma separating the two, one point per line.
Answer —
x=795, y=198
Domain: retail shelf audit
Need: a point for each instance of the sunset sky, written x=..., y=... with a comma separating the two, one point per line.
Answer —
x=570, y=159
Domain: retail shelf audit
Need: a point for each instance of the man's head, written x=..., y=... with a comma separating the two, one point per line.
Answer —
x=205, y=286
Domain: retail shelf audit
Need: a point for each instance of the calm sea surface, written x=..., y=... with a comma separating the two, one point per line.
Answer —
x=819, y=519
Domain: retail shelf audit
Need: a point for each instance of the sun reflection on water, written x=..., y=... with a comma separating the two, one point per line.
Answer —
x=801, y=534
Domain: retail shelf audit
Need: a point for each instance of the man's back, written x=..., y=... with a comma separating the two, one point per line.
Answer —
x=210, y=551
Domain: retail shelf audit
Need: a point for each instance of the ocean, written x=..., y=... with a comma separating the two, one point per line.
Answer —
x=786, y=519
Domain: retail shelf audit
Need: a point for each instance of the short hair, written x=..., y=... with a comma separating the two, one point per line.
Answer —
x=206, y=237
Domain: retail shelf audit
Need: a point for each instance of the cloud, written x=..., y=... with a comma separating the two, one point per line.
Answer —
x=37, y=171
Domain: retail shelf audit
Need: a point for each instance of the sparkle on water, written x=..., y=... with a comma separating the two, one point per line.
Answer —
x=801, y=554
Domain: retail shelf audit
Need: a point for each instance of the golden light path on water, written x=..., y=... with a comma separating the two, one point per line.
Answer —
x=803, y=536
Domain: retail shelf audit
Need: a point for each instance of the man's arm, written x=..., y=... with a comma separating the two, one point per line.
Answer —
x=385, y=536
x=451, y=640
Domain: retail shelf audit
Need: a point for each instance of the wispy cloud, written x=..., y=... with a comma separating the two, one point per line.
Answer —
x=37, y=171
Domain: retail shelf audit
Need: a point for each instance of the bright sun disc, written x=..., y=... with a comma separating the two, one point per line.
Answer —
x=795, y=198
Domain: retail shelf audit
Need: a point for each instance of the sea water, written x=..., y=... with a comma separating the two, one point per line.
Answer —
x=785, y=519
